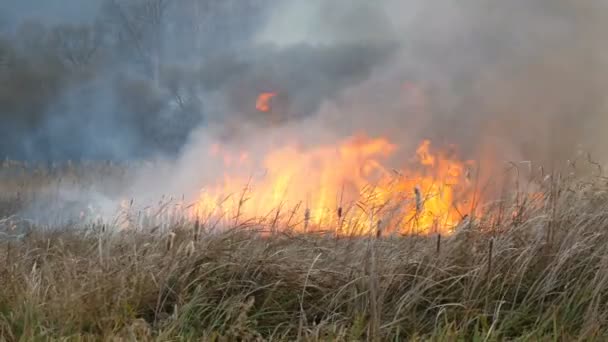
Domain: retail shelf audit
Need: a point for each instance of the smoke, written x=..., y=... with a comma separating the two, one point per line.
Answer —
x=109, y=79
x=14, y=12
x=515, y=80
x=134, y=80
x=503, y=81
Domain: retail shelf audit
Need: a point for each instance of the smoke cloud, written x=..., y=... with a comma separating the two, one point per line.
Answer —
x=522, y=79
x=128, y=79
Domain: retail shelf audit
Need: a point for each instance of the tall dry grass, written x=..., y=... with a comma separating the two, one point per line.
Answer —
x=526, y=270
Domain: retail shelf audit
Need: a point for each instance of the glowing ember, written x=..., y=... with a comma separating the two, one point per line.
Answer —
x=344, y=188
x=263, y=102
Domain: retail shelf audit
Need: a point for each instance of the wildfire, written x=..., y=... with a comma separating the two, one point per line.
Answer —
x=346, y=188
x=263, y=102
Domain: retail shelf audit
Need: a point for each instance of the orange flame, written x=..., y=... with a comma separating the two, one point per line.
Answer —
x=426, y=158
x=344, y=188
x=263, y=102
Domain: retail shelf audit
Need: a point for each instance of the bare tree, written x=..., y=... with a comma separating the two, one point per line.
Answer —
x=141, y=25
x=75, y=45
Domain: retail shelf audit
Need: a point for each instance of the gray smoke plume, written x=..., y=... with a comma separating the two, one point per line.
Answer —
x=512, y=80
x=502, y=80
x=131, y=78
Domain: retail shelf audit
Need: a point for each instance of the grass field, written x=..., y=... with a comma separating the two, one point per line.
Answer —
x=523, y=271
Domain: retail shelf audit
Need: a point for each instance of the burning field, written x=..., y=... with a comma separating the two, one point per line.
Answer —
x=337, y=241
x=342, y=188
x=412, y=256
x=341, y=170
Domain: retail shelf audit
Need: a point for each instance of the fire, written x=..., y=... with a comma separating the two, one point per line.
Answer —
x=345, y=188
x=426, y=158
x=263, y=102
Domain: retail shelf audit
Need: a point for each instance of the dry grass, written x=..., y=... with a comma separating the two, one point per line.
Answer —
x=539, y=272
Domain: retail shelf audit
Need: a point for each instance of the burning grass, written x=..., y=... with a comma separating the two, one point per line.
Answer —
x=342, y=186
x=530, y=268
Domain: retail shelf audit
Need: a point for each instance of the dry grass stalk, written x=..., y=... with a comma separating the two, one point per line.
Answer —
x=494, y=279
x=438, y=245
